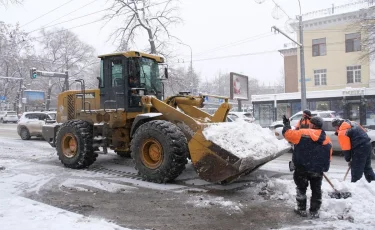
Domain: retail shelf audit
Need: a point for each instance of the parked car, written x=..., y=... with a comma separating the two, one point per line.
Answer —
x=246, y=116
x=297, y=117
x=330, y=131
x=31, y=123
x=8, y=116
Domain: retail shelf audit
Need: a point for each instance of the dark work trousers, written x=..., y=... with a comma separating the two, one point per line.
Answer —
x=361, y=163
x=302, y=179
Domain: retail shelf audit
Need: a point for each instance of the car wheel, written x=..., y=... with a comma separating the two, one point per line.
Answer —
x=373, y=150
x=25, y=135
x=1, y=120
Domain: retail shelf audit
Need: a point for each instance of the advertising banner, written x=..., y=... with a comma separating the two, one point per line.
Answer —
x=34, y=97
x=239, y=87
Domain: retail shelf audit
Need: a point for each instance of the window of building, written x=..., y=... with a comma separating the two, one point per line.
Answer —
x=353, y=42
x=319, y=47
x=320, y=77
x=353, y=74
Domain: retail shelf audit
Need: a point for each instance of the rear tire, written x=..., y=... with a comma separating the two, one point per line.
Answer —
x=74, y=144
x=25, y=134
x=159, y=150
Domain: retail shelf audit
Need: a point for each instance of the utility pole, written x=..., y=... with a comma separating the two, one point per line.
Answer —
x=302, y=66
x=302, y=62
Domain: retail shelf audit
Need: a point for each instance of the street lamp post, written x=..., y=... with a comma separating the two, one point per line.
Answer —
x=191, y=59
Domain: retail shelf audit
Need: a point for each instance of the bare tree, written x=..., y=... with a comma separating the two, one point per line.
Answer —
x=60, y=51
x=14, y=49
x=367, y=24
x=7, y=2
x=154, y=18
x=63, y=50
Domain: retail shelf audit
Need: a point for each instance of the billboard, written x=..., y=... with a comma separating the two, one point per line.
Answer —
x=239, y=86
x=34, y=97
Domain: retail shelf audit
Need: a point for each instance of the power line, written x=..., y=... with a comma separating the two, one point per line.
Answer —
x=47, y=13
x=236, y=55
x=67, y=21
x=71, y=12
x=69, y=28
x=93, y=21
x=278, y=6
x=253, y=38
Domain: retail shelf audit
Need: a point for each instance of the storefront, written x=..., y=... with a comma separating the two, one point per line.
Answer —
x=356, y=104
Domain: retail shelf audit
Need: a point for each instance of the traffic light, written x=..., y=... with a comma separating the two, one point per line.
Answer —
x=33, y=73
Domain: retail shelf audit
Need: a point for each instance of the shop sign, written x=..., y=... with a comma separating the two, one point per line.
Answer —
x=353, y=92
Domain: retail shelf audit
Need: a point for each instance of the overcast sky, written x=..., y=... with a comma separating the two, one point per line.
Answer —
x=208, y=24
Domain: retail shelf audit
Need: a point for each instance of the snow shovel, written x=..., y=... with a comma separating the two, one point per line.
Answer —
x=346, y=174
x=337, y=194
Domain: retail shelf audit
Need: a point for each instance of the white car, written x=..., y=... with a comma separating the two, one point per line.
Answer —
x=31, y=123
x=297, y=117
x=9, y=116
x=246, y=116
x=330, y=131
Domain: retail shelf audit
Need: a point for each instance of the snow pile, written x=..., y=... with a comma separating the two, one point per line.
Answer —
x=17, y=212
x=356, y=212
x=244, y=139
x=20, y=213
x=249, y=141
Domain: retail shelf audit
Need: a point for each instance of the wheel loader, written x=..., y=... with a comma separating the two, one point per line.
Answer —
x=129, y=114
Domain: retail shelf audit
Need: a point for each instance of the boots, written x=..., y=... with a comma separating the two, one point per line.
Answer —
x=314, y=208
x=301, y=205
x=302, y=213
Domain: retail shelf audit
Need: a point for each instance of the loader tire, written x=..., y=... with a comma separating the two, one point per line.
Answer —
x=74, y=144
x=159, y=150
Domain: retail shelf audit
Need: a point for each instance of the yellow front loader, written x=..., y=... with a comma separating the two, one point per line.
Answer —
x=127, y=113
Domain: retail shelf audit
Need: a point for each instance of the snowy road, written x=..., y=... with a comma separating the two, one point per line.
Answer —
x=112, y=190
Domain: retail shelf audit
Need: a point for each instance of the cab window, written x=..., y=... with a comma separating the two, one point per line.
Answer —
x=117, y=76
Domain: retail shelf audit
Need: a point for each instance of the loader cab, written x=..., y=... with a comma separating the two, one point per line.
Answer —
x=126, y=77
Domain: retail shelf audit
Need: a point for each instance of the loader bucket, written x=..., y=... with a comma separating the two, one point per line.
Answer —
x=215, y=164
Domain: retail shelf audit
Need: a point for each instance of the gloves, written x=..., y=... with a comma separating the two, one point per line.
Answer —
x=286, y=121
x=336, y=133
x=291, y=166
x=350, y=163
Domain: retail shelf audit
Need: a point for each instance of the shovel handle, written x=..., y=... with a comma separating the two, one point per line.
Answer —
x=347, y=171
x=329, y=182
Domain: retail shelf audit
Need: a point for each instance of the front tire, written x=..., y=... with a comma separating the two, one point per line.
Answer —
x=25, y=134
x=159, y=150
x=74, y=144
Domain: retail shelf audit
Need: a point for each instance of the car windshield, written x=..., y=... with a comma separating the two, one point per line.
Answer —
x=11, y=113
x=328, y=115
x=52, y=115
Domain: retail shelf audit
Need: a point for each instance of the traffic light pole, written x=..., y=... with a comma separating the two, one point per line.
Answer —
x=34, y=73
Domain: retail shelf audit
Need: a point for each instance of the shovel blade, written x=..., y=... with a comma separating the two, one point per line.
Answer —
x=340, y=195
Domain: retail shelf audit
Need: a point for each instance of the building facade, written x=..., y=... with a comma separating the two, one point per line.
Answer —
x=339, y=75
x=356, y=104
x=334, y=57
